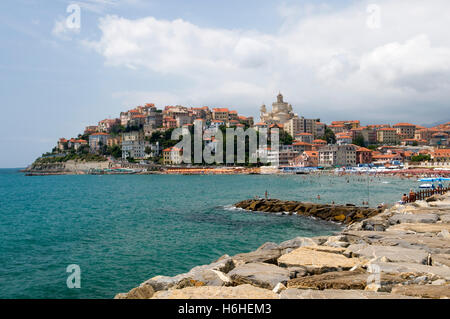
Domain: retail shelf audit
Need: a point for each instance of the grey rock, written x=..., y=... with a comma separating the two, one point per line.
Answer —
x=268, y=246
x=357, y=279
x=445, y=218
x=296, y=272
x=402, y=267
x=211, y=275
x=393, y=253
x=259, y=274
x=142, y=292
x=319, y=240
x=294, y=293
x=440, y=260
x=413, y=218
x=341, y=244
x=297, y=242
x=269, y=256
x=439, y=282
x=423, y=291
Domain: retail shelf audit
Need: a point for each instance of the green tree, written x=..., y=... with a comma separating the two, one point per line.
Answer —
x=115, y=151
x=329, y=136
x=359, y=140
x=285, y=138
x=420, y=158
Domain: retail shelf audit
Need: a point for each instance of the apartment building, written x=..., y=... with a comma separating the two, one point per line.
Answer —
x=387, y=136
x=405, y=130
x=133, y=145
x=172, y=156
x=220, y=114
x=97, y=141
x=337, y=155
x=297, y=125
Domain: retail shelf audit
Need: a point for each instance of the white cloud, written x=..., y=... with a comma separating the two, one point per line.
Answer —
x=415, y=64
x=62, y=31
x=328, y=60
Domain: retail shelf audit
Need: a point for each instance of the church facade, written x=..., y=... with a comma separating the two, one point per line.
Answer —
x=280, y=114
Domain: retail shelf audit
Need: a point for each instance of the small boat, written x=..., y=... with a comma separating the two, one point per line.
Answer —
x=427, y=186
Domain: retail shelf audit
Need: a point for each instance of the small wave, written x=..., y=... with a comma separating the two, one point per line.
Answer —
x=232, y=208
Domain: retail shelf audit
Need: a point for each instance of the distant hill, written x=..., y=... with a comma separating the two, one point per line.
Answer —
x=435, y=123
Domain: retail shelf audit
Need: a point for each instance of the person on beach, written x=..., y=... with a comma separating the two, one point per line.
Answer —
x=412, y=196
x=318, y=197
x=266, y=195
x=404, y=199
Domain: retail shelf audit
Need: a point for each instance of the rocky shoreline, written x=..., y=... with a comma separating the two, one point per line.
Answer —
x=346, y=214
x=397, y=253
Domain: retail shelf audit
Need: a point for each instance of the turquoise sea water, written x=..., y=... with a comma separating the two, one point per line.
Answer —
x=122, y=230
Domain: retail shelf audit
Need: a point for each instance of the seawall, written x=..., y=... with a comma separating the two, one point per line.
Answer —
x=346, y=214
x=69, y=167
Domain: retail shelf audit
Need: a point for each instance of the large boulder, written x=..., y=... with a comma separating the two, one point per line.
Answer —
x=259, y=274
x=431, y=244
x=358, y=279
x=297, y=242
x=269, y=256
x=441, y=260
x=413, y=268
x=210, y=292
x=268, y=246
x=316, y=261
x=392, y=253
x=211, y=275
x=424, y=291
x=294, y=293
x=413, y=218
x=144, y=291
x=422, y=227
x=445, y=218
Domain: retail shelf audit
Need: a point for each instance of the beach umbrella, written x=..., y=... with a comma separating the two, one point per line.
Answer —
x=434, y=179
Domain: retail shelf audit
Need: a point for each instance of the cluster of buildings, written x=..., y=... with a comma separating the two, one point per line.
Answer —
x=133, y=129
x=394, y=144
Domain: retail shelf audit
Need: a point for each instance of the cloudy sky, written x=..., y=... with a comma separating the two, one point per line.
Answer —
x=377, y=61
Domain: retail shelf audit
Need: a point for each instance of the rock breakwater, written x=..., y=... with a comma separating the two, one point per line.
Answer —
x=402, y=252
x=346, y=214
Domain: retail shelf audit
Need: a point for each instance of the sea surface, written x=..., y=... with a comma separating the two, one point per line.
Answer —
x=124, y=229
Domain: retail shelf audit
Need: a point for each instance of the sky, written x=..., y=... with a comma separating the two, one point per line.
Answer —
x=379, y=61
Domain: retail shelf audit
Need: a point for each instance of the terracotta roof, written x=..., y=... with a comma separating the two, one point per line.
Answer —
x=311, y=153
x=278, y=125
x=441, y=152
x=171, y=149
x=220, y=110
x=404, y=124
x=440, y=134
x=301, y=143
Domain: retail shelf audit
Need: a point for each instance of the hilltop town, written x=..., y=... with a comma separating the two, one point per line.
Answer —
x=140, y=138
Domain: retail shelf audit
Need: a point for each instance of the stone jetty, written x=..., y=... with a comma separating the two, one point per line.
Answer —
x=346, y=214
x=400, y=252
